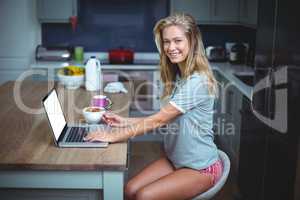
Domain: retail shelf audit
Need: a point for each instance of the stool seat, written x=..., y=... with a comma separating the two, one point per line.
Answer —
x=218, y=186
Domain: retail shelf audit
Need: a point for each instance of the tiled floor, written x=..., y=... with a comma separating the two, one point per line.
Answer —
x=143, y=153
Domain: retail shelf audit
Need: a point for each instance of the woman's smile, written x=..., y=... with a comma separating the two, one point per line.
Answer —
x=175, y=44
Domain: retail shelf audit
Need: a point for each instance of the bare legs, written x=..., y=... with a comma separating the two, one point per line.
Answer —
x=149, y=174
x=160, y=180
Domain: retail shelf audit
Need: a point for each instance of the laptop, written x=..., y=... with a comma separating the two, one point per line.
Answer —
x=68, y=135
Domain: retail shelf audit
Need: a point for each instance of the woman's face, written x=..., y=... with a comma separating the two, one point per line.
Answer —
x=175, y=44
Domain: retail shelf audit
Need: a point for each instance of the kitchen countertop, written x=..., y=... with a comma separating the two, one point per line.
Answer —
x=228, y=71
x=149, y=61
x=26, y=140
x=104, y=66
x=142, y=61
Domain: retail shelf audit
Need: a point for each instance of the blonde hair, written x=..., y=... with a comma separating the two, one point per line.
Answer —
x=196, y=60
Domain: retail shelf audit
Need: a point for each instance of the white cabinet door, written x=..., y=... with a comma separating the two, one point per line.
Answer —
x=20, y=34
x=248, y=12
x=209, y=11
x=225, y=11
x=56, y=10
x=200, y=9
x=20, y=30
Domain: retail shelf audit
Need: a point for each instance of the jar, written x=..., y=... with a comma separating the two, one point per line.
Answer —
x=237, y=54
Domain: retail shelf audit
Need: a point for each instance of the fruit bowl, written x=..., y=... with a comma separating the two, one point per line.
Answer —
x=72, y=77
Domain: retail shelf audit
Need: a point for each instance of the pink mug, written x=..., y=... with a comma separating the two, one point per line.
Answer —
x=100, y=101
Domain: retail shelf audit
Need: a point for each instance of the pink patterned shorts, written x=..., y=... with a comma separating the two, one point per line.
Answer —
x=215, y=170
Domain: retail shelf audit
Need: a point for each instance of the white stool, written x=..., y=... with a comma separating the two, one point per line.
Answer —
x=217, y=187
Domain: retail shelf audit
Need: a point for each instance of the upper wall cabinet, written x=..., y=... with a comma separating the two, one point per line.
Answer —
x=56, y=10
x=200, y=9
x=209, y=11
x=225, y=11
x=248, y=12
x=243, y=12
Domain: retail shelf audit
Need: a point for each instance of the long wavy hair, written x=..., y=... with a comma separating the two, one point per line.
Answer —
x=196, y=60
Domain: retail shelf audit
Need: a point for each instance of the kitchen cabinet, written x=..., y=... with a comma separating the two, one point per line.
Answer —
x=248, y=12
x=209, y=11
x=231, y=139
x=41, y=74
x=218, y=102
x=50, y=194
x=56, y=11
x=20, y=35
x=242, y=12
x=146, y=91
x=227, y=119
x=157, y=90
x=200, y=9
x=224, y=11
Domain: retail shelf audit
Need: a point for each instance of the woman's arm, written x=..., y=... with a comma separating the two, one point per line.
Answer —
x=115, y=120
x=163, y=117
x=133, y=120
x=141, y=126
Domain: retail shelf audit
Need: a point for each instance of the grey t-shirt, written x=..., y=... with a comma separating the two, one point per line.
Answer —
x=189, y=141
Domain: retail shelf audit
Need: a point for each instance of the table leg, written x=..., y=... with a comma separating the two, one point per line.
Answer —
x=113, y=185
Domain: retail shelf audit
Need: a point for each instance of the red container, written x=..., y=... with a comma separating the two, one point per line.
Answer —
x=120, y=56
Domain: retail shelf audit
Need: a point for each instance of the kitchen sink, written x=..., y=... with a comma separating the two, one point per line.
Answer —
x=247, y=79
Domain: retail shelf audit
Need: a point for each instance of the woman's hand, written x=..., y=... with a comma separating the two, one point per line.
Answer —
x=102, y=136
x=115, y=120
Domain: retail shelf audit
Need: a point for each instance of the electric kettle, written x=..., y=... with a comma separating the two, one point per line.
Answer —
x=93, y=79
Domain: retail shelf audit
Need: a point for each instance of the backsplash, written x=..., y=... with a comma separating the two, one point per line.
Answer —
x=220, y=34
x=104, y=25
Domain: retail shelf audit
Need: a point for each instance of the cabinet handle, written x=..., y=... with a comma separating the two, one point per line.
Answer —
x=245, y=8
x=245, y=112
x=214, y=8
x=229, y=105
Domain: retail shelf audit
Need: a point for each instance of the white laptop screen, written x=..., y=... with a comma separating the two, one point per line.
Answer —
x=55, y=113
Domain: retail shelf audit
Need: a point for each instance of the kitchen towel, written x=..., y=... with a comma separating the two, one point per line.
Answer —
x=115, y=87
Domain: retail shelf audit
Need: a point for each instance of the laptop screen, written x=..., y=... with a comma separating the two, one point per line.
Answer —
x=55, y=114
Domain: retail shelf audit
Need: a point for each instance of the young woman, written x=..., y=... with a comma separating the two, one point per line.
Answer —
x=190, y=165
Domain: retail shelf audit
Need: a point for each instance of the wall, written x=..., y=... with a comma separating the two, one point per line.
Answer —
x=104, y=25
x=20, y=33
x=220, y=34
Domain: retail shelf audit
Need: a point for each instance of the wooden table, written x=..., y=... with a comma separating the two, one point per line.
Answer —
x=28, y=156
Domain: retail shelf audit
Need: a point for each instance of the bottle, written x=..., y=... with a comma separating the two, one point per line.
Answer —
x=78, y=54
x=237, y=54
x=93, y=77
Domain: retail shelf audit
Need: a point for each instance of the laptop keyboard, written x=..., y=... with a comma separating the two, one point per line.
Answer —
x=76, y=134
